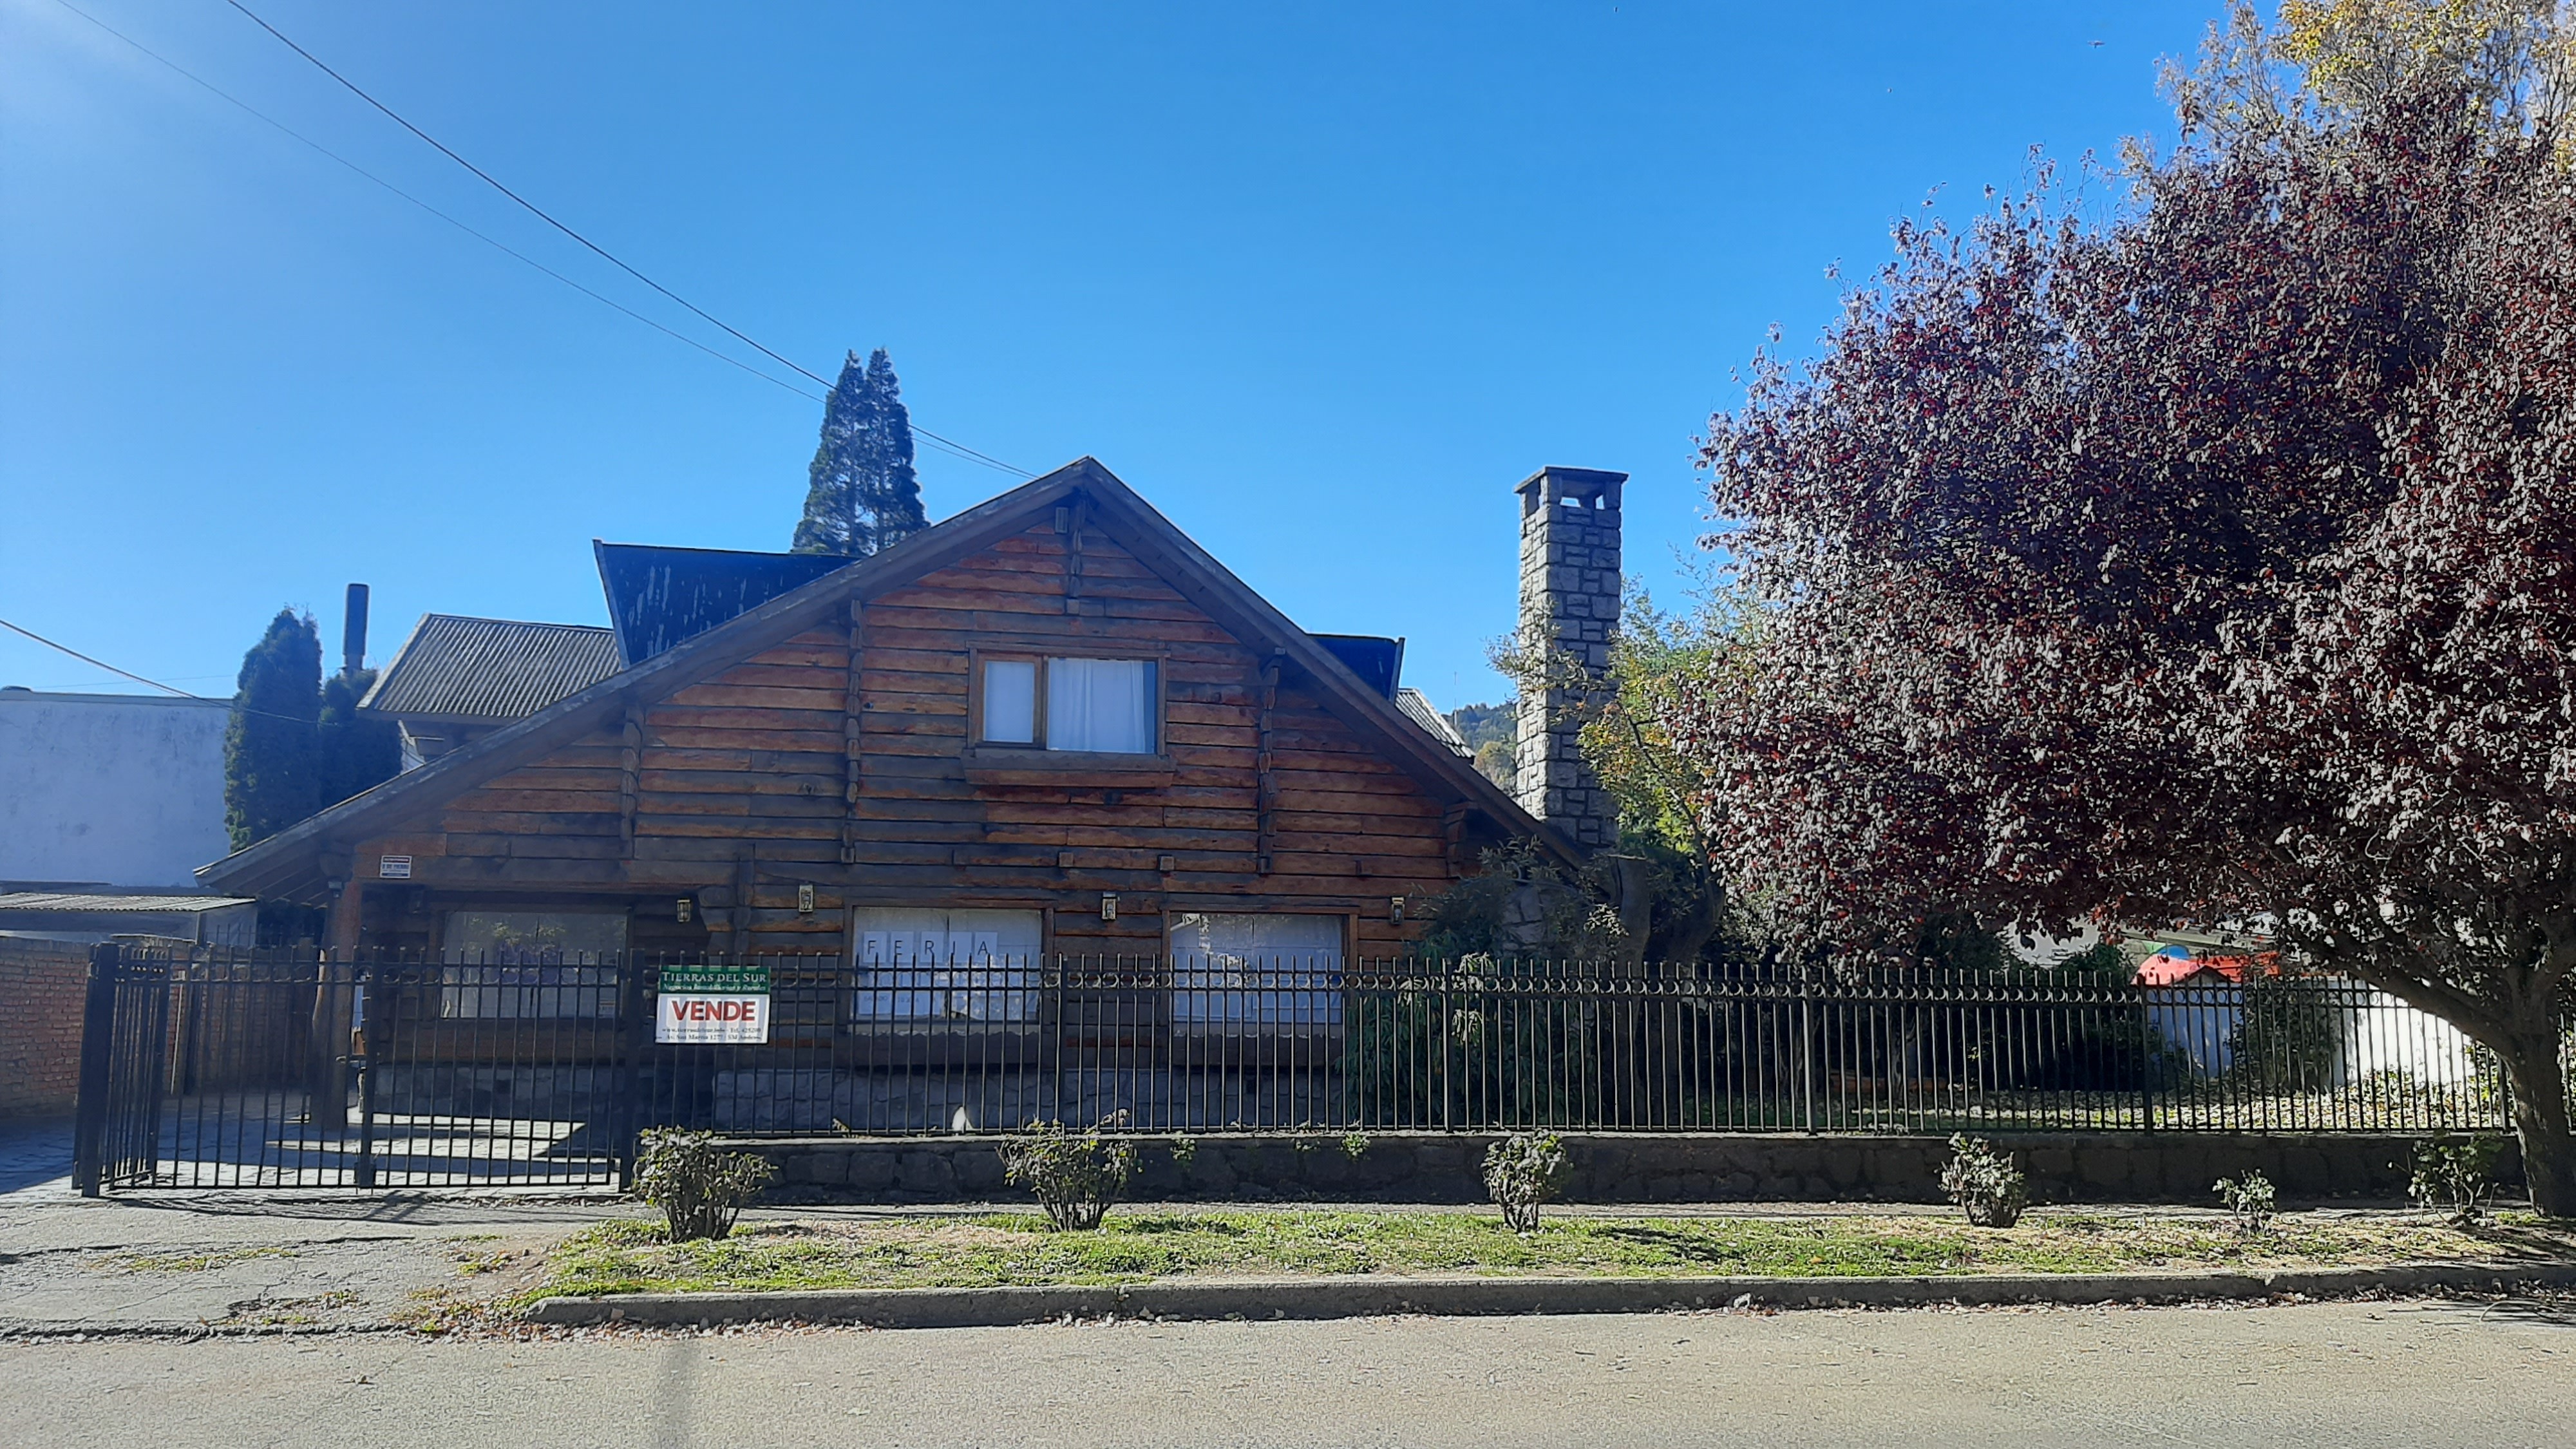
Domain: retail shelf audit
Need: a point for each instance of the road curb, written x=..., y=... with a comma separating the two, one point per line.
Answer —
x=1320, y=1298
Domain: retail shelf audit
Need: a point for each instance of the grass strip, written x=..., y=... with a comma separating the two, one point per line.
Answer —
x=1140, y=1246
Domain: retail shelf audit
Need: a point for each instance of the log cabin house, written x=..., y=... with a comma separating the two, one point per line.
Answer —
x=1048, y=726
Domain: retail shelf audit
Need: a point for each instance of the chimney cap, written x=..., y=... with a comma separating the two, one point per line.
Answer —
x=1552, y=483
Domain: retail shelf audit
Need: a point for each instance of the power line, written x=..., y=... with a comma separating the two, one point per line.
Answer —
x=542, y=215
x=238, y=706
x=282, y=128
x=100, y=663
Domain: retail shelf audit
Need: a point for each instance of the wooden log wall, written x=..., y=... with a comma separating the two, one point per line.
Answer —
x=836, y=759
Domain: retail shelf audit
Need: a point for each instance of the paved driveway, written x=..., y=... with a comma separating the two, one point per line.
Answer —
x=2350, y=1376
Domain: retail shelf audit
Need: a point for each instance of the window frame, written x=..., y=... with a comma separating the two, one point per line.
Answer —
x=1042, y=655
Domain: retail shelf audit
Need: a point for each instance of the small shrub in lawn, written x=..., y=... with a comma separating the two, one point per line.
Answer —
x=1985, y=1183
x=2455, y=1175
x=1076, y=1178
x=699, y=1188
x=2249, y=1200
x=1522, y=1171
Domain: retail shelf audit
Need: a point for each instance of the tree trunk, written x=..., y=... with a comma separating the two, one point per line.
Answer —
x=2540, y=1118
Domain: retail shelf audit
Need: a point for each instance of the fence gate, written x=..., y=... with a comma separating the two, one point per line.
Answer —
x=291, y=1069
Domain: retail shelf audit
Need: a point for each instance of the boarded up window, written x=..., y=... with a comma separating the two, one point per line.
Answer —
x=933, y=965
x=1255, y=971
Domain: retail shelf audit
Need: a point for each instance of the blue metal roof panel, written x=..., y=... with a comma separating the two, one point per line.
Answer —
x=1378, y=662
x=659, y=597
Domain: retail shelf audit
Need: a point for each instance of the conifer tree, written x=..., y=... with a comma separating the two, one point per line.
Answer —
x=272, y=774
x=356, y=754
x=862, y=495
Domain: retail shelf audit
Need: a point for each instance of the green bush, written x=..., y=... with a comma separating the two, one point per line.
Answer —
x=700, y=1189
x=1076, y=1178
x=2287, y=1037
x=1522, y=1171
x=2248, y=1199
x=2455, y=1175
x=1985, y=1183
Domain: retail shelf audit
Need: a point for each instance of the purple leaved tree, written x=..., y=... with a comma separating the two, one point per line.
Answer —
x=2213, y=556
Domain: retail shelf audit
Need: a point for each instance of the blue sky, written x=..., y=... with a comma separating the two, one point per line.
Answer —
x=1322, y=282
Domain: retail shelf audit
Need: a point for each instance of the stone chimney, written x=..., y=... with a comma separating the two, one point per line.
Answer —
x=1569, y=608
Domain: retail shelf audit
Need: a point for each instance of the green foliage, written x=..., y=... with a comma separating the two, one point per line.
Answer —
x=1185, y=1150
x=2286, y=1038
x=1460, y=1048
x=2249, y=1200
x=699, y=1188
x=2100, y=959
x=1985, y=1183
x=355, y=755
x=1524, y=1170
x=1493, y=732
x=1076, y=1179
x=272, y=766
x=861, y=494
x=2455, y=1175
x=295, y=744
x=1355, y=1145
x=910, y=1251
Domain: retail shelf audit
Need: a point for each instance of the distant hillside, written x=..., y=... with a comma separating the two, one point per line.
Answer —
x=1490, y=730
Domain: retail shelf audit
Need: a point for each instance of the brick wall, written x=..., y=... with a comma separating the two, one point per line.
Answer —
x=42, y=985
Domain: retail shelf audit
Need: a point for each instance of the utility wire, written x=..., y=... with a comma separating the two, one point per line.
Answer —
x=542, y=215
x=283, y=129
x=237, y=705
x=100, y=663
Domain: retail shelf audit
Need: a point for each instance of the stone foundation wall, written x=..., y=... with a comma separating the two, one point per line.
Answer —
x=1615, y=1168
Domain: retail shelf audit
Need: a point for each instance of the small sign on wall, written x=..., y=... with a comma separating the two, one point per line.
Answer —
x=713, y=1005
x=393, y=867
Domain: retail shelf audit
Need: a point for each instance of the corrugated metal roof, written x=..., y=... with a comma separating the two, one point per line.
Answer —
x=1417, y=708
x=659, y=597
x=118, y=905
x=454, y=667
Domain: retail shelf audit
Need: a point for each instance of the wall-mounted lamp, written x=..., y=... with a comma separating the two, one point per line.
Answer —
x=686, y=908
x=1108, y=907
x=805, y=899
x=1395, y=908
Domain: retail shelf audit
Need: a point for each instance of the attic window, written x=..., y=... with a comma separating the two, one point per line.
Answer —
x=1087, y=706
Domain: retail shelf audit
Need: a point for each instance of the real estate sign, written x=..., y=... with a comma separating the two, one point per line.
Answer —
x=725, y=1005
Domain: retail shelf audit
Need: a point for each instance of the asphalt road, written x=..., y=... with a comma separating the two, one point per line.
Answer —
x=2347, y=1375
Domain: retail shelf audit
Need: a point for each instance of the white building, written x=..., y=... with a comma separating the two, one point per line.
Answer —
x=109, y=791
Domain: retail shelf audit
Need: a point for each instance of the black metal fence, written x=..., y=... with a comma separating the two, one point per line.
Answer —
x=214, y=1068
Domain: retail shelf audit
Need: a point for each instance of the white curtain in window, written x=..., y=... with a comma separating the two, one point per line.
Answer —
x=1011, y=701
x=1102, y=705
x=917, y=965
x=1259, y=970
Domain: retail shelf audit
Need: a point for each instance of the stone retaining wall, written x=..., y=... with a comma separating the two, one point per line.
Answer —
x=1614, y=1168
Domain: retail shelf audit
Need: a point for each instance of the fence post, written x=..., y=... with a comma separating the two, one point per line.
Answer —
x=1807, y=1048
x=362, y=1062
x=89, y=1106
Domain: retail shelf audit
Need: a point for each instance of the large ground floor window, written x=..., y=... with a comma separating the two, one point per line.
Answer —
x=938, y=965
x=1255, y=971
x=515, y=964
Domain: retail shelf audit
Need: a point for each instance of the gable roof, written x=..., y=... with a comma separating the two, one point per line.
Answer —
x=490, y=670
x=660, y=598
x=1418, y=708
x=294, y=858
